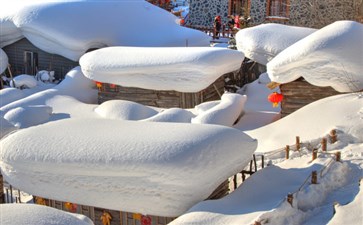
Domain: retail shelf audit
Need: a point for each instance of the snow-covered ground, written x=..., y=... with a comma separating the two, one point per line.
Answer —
x=61, y=152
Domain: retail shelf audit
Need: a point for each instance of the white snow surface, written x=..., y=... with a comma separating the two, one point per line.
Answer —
x=332, y=56
x=31, y=214
x=181, y=69
x=4, y=61
x=23, y=117
x=262, y=197
x=145, y=167
x=5, y=127
x=347, y=118
x=125, y=110
x=263, y=42
x=75, y=84
x=70, y=28
x=355, y=207
x=24, y=81
x=226, y=113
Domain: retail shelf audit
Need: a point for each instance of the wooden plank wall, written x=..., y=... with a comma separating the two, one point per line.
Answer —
x=300, y=93
x=46, y=61
x=162, y=99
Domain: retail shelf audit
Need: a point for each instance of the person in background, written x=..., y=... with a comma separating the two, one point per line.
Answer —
x=217, y=26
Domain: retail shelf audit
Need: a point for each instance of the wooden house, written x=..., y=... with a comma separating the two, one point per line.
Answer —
x=25, y=58
x=300, y=93
x=162, y=99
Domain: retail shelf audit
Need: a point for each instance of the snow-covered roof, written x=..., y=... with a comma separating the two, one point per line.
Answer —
x=263, y=42
x=147, y=167
x=32, y=214
x=332, y=56
x=4, y=61
x=70, y=28
x=182, y=69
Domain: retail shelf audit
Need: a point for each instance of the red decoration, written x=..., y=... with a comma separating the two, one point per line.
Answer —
x=98, y=84
x=275, y=98
x=145, y=220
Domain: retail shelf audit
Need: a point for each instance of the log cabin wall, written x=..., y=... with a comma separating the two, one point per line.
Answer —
x=162, y=99
x=300, y=93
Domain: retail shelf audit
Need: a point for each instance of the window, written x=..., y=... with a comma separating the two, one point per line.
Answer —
x=30, y=62
x=278, y=8
x=239, y=7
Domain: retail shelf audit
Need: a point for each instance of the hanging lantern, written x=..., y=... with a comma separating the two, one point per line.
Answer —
x=98, y=84
x=113, y=86
x=106, y=218
x=70, y=207
x=145, y=220
x=275, y=98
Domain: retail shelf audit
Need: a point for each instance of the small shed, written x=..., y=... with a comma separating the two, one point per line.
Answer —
x=162, y=99
x=300, y=93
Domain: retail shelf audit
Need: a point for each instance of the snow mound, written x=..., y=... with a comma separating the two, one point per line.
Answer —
x=9, y=95
x=332, y=56
x=75, y=84
x=145, y=167
x=202, y=107
x=23, y=117
x=24, y=81
x=353, y=209
x=225, y=113
x=180, y=69
x=5, y=127
x=4, y=61
x=263, y=42
x=31, y=214
x=45, y=25
x=327, y=116
x=175, y=115
x=124, y=110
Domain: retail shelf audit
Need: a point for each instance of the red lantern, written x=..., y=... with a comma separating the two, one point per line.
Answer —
x=275, y=98
x=98, y=84
x=145, y=220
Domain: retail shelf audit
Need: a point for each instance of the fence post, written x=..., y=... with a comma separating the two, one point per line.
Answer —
x=315, y=154
x=287, y=152
x=2, y=194
x=297, y=143
x=314, y=177
x=333, y=136
x=290, y=198
x=323, y=144
x=338, y=156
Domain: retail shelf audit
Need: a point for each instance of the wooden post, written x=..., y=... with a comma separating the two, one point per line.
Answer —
x=314, y=177
x=290, y=198
x=315, y=154
x=333, y=136
x=263, y=161
x=11, y=194
x=323, y=144
x=338, y=156
x=2, y=195
x=297, y=143
x=287, y=152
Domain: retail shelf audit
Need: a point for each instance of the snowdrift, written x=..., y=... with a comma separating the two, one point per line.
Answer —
x=263, y=42
x=70, y=28
x=180, y=69
x=151, y=168
x=31, y=214
x=332, y=56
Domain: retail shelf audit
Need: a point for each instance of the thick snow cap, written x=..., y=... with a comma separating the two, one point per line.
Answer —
x=31, y=214
x=70, y=28
x=181, y=69
x=4, y=61
x=148, y=167
x=263, y=42
x=332, y=56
